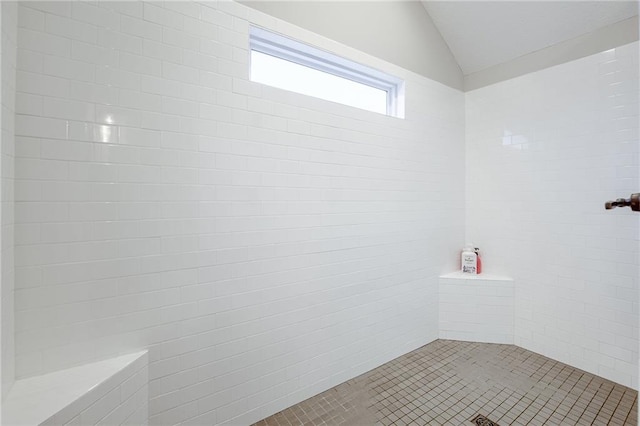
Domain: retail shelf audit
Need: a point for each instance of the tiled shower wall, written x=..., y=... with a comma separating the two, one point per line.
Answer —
x=544, y=152
x=264, y=245
x=9, y=11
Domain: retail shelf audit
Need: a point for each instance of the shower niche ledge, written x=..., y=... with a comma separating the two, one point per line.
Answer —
x=112, y=391
x=476, y=308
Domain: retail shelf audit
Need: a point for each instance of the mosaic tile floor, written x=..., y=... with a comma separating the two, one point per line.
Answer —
x=450, y=383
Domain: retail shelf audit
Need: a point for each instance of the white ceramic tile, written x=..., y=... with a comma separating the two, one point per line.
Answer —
x=31, y=61
x=163, y=16
x=65, y=109
x=36, y=126
x=140, y=28
x=32, y=19
x=92, y=14
x=70, y=28
x=69, y=69
x=29, y=104
x=39, y=41
x=140, y=64
x=112, y=38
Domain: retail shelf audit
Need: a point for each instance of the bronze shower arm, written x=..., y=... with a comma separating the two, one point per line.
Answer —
x=633, y=202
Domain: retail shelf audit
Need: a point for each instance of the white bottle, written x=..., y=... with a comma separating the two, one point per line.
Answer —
x=469, y=260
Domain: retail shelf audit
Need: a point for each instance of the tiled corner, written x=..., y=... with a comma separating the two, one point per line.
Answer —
x=476, y=308
x=544, y=153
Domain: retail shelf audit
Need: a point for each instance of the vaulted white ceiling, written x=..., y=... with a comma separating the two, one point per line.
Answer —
x=482, y=34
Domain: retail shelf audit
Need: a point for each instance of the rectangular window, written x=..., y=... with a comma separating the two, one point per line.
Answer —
x=281, y=62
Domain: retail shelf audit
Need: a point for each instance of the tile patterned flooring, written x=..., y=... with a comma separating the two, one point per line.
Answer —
x=449, y=383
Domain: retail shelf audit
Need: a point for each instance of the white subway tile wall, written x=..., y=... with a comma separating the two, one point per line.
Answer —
x=544, y=152
x=264, y=245
x=9, y=11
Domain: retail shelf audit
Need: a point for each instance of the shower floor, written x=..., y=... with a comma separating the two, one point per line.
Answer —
x=449, y=383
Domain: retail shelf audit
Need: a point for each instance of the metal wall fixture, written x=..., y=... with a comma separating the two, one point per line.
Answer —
x=633, y=201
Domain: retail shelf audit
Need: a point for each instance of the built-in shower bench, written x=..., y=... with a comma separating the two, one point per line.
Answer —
x=476, y=308
x=113, y=391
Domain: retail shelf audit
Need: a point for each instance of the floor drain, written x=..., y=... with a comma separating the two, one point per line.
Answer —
x=481, y=420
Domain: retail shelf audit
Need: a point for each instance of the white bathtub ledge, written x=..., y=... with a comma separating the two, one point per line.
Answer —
x=58, y=397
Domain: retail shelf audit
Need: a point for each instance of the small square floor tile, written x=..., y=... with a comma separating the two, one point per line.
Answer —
x=451, y=382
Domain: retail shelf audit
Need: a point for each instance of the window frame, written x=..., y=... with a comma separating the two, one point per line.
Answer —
x=280, y=46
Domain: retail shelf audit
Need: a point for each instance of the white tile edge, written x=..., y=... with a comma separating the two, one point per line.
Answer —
x=23, y=405
x=457, y=275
